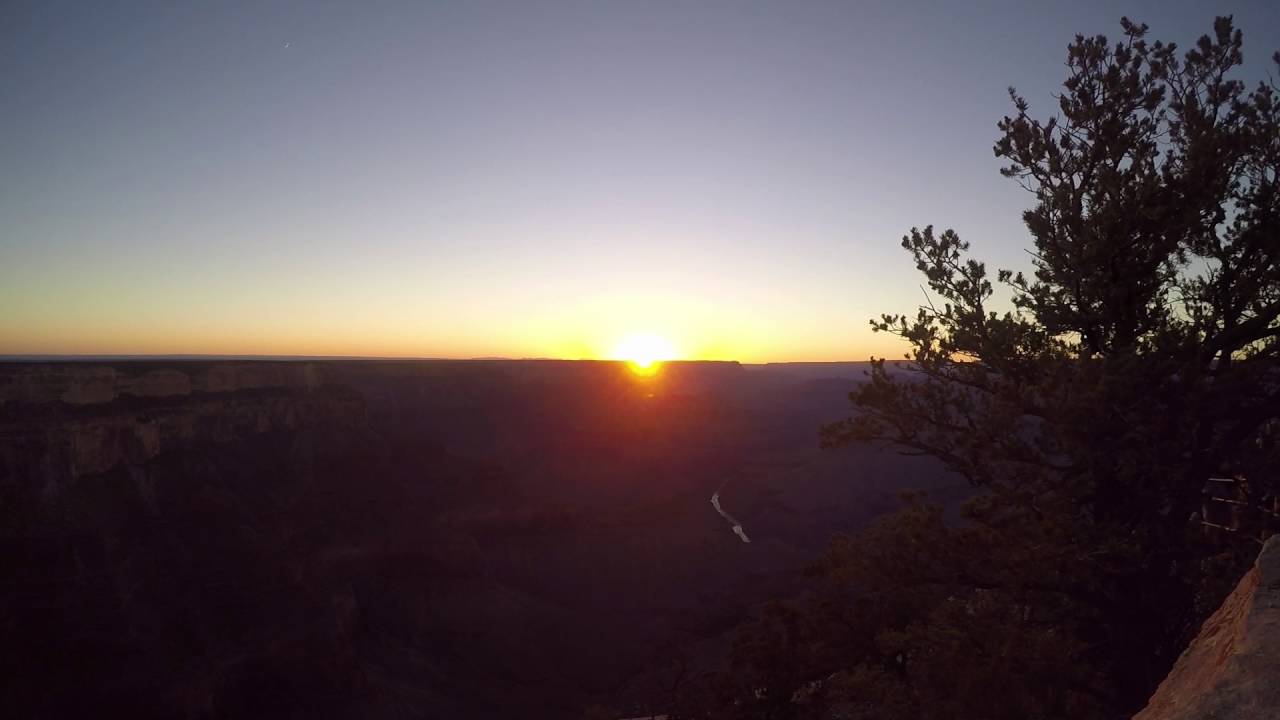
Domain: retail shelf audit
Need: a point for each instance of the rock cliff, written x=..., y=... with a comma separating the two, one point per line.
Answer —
x=156, y=537
x=59, y=422
x=1231, y=671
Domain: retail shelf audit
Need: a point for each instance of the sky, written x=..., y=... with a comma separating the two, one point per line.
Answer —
x=523, y=179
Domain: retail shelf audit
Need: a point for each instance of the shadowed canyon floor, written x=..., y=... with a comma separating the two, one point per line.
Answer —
x=406, y=538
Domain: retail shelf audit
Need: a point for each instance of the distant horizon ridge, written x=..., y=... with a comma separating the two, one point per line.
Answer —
x=124, y=357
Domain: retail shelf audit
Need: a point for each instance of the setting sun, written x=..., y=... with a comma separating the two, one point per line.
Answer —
x=643, y=350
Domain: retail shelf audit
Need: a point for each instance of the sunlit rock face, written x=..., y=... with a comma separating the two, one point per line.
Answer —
x=1231, y=671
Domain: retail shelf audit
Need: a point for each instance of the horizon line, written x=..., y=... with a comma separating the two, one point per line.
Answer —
x=142, y=357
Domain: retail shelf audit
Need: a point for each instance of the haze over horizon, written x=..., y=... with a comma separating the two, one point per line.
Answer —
x=512, y=179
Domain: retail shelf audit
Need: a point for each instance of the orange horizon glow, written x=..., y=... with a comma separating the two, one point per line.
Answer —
x=282, y=345
x=605, y=329
x=576, y=351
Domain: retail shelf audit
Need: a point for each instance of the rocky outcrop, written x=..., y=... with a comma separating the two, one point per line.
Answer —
x=63, y=421
x=1231, y=671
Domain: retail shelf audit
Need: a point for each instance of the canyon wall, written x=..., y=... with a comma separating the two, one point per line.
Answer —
x=157, y=538
x=59, y=422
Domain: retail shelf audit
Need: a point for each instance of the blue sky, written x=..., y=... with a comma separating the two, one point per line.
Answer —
x=520, y=179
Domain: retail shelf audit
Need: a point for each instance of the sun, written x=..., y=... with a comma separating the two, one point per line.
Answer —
x=644, y=351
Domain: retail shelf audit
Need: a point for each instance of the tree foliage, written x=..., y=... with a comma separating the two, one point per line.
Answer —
x=1136, y=359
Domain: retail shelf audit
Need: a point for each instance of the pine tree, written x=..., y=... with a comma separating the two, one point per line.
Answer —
x=1137, y=360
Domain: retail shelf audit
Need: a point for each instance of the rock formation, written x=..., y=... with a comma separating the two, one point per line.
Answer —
x=1231, y=671
x=61, y=422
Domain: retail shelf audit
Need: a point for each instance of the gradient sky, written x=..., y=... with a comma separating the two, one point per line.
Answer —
x=516, y=179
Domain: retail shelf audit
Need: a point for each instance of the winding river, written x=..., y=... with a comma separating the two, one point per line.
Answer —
x=737, y=527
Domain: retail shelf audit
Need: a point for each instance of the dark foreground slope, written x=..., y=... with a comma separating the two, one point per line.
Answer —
x=402, y=539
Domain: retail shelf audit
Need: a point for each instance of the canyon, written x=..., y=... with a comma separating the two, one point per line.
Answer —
x=389, y=538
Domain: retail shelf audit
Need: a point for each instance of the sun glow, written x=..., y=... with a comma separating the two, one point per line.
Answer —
x=643, y=351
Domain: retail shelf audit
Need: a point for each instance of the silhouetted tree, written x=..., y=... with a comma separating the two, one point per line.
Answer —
x=1137, y=359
